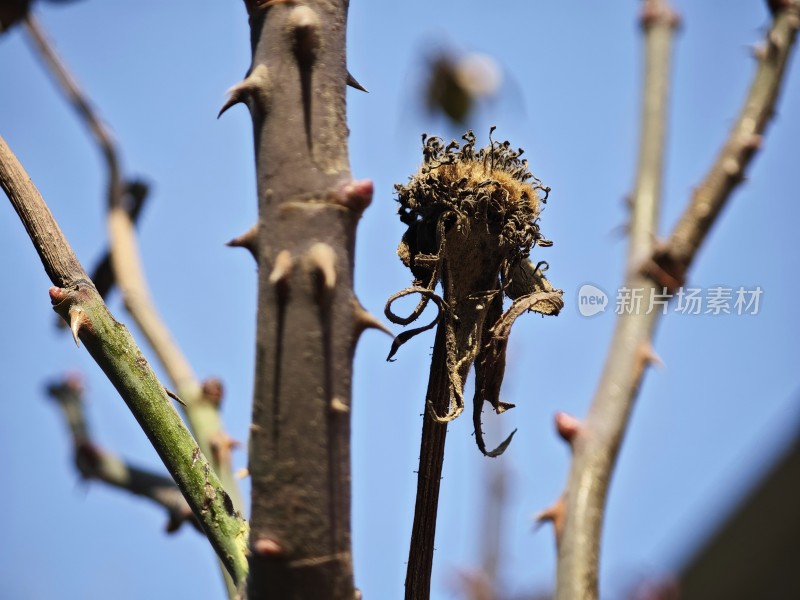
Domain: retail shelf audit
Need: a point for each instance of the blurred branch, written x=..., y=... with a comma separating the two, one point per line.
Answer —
x=202, y=410
x=92, y=462
x=112, y=347
x=103, y=273
x=484, y=583
x=134, y=196
x=124, y=265
x=596, y=442
x=81, y=105
x=673, y=258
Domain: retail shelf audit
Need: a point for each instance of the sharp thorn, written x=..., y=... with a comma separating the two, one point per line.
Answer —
x=235, y=97
x=355, y=194
x=282, y=268
x=339, y=406
x=76, y=318
x=267, y=547
x=353, y=83
x=555, y=514
x=174, y=396
x=254, y=88
x=322, y=259
x=654, y=359
x=248, y=240
x=366, y=320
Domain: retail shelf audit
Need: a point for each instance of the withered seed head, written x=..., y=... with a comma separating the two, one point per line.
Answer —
x=457, y=185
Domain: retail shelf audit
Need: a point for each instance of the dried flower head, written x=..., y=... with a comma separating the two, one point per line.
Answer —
x=472, y=218
x=488, y=195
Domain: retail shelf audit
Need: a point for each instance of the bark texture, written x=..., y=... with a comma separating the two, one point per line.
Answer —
x=308, y=316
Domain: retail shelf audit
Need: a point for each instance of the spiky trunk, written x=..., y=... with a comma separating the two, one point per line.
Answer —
x=308, y=316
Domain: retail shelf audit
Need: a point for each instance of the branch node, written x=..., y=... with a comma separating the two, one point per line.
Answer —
x=556, y=514
x=753, y=142
x=568, y=427
x=732, y=167
x=665, y=270
x=267, y=547
x=355, y=194
x=759, y=51
x=213, y=391
x=657, y=12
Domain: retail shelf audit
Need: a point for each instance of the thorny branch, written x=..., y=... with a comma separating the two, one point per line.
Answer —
x=123, y=265
x=126, y=269
x=578, y=515
x=112, y=347
x=309, y=319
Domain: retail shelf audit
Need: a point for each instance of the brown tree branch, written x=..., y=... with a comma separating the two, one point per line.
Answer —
x=596, y=441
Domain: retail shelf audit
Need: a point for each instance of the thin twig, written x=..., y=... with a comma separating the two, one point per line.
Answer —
x=134, y=198
x=81, y=104
x=113, y=348
x=596, y=442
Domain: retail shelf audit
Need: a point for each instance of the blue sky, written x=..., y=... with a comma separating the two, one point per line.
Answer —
x=706, y=424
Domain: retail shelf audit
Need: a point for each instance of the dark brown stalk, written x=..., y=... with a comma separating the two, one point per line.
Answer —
x=308, y=316
x=453, y=356
x=429, y=476
x=596, y=442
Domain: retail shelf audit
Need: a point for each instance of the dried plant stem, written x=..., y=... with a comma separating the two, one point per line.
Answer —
x=596, y=442
x=115, y=351
x=429, y=476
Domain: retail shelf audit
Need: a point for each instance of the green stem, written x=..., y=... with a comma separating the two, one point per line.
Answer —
x=111, y=345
